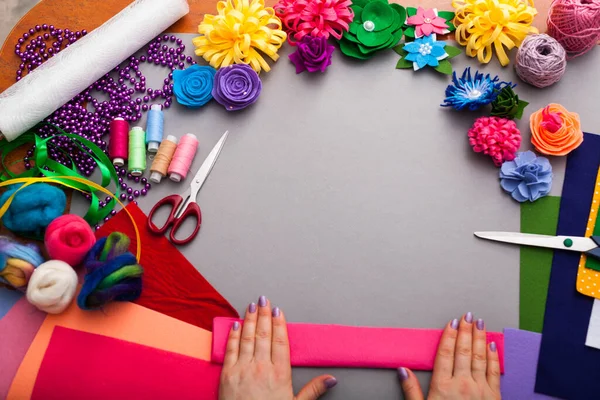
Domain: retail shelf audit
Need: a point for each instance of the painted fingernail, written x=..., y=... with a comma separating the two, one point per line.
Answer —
x=276, y=312
x=480, y=325
x=493, y=346
x=469, y=317
x=236, y=325
x=402, y=374
x=262, y=301
x=454, y=324
x=330, y=382
x=252, y=307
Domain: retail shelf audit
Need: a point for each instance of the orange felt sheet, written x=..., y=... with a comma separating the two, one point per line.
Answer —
x=125, y=321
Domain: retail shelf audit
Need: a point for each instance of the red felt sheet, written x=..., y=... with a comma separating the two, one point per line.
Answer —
x=80, y=365
x=313, y=345
x=171, y=284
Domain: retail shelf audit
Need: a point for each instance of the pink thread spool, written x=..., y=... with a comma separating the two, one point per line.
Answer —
x=575, y=24
x=183, y=157
x=118, y=146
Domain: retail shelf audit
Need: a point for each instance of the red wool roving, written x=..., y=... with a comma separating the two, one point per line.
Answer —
x=575, y=24
x=497, y=137
x=69, y=238
x=183, y=157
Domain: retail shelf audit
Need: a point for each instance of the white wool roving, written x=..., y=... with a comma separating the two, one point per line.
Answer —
x=52, y=286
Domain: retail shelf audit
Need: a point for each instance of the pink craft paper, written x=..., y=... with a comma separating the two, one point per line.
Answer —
x=17, y=330
x=80, y=365
x=314, y=345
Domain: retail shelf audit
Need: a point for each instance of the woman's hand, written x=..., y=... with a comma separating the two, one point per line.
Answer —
x=465, y=366
x=257, y=360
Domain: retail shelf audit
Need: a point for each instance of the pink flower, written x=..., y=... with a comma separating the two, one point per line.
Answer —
x=497, y=137
x=427, y=22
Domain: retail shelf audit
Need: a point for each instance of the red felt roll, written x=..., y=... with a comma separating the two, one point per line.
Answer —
x=68, y=238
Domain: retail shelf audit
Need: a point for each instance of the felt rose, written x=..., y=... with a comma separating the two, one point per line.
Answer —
x=193, y=86
x=508, y=105
x=555, y=131
x=527, y=177
x=236, y=87
x=377, y=25
x=69, y=238
x=312, y=54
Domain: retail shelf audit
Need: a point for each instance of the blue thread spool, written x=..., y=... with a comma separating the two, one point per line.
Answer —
x=154, y=128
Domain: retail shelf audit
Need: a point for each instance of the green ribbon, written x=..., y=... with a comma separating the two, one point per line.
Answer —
x=95, y=214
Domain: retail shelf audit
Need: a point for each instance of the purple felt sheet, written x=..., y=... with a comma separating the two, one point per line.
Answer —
x=521, y=350
x=17, y=330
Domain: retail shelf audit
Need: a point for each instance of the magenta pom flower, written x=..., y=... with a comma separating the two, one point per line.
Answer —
x=317, y=18
x=312, y=55
x=426, y=22
x=497, y=137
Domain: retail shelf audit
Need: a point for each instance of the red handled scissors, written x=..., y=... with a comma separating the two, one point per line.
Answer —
x=185, y=205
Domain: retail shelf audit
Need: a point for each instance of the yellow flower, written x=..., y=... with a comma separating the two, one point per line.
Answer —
x=241, y=29
x=501, y=23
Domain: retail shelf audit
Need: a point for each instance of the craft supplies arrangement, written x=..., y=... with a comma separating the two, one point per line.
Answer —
x=111, y=283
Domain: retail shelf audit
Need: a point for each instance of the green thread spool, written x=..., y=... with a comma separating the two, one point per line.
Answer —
x=137, y=151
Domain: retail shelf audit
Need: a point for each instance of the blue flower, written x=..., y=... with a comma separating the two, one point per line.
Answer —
x=425, y=51
x=473, y=93
x=527, y=177
x=193, y=86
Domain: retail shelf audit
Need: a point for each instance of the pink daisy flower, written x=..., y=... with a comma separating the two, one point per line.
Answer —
x=427, y=22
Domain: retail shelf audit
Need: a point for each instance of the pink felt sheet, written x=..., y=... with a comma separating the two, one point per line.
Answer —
x=80, y=365
x=314, y=345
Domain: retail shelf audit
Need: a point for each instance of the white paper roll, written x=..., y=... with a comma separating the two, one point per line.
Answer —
x=65, y=75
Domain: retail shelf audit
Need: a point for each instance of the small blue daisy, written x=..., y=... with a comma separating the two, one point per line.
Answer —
x=425, y=51
x=472, y=92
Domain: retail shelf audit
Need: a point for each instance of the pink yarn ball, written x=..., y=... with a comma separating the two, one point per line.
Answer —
x=575, y=24
x=497, y=137
x=69, y=238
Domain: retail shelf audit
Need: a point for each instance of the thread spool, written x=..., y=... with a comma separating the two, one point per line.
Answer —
x=118, y=144
x=575, y=24
x=162, y=160
x=137, y=151
x=154, y=128
x=183, y=157
x=541, y=60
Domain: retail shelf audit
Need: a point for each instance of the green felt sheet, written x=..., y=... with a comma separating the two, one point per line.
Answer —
x=540, y=217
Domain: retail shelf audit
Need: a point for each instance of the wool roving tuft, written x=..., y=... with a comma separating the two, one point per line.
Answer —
x=112, y=273
x=541, y=60
x=52, y=286
x=32, y=208
x=69, y=238
x=17, y=262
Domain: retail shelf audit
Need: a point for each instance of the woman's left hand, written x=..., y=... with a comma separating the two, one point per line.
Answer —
x=257, y=360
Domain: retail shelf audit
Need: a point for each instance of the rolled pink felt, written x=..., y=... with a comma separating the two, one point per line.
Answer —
x=313, y=345
x=69, y=238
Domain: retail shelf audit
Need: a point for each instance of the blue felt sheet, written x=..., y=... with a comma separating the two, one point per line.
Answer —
x=8, y=298
x=566, y=367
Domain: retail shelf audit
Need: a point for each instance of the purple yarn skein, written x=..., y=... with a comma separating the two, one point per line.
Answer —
x=541, y=60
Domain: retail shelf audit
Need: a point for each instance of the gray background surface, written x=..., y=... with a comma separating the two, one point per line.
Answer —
x=351, y=198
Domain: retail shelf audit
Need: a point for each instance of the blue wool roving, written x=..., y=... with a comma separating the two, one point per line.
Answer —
x=33, y=208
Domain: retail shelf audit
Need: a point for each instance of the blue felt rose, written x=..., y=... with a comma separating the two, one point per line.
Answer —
x=527, y=177
x=193, y=86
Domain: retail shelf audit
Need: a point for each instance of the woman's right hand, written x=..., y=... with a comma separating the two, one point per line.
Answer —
x=465, y=366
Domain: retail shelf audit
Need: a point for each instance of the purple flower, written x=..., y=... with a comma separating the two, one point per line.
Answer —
x=236, y=87
x=312, y=55
x=527, y=177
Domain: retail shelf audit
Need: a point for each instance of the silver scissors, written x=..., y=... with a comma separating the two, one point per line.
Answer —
x=588, y=246
x=185, y=205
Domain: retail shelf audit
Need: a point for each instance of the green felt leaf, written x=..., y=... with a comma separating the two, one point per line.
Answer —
x=520, y=108
x=410, y=32
x=540, y=217
x=360, y=3
x=381, y=14
x=452, y=51
x=451, y=26
x=445, y=67
x=400, y=50
x=411, y=11
x=351, y=50
x=447, y=15
x=401, y=11
x=404, y=64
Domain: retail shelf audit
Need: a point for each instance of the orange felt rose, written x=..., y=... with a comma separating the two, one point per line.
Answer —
x=555, y=131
